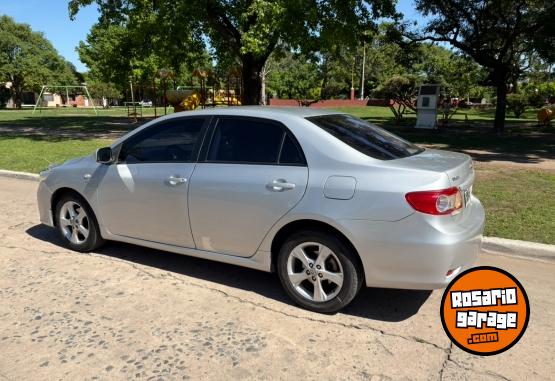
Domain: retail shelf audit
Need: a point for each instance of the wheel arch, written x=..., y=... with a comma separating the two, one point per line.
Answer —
x=61, y=192
x=309, y=224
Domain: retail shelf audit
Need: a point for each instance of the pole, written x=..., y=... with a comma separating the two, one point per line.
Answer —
x=38, y=100
x=165, y=103
x=154, y=95
x=362, y=79
x=92, y=101
x=133, y=98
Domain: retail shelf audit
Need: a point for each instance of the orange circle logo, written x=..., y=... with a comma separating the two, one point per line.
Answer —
x=485, y=310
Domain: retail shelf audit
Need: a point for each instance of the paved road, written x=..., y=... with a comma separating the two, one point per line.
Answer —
x=127, y=312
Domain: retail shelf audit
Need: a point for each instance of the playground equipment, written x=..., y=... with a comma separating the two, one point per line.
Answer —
x=185, y=98
x=426, y=106
x=546, y=114
x=224, y=97
x=56, y=100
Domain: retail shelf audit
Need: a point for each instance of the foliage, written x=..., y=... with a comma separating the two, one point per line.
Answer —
x=241, y=31
x=494, y=33
x=28, y=60
x=517, y=103
x=402, y=90
x=293, y=77
x=536, y=99
x=458, y=75
x=106, y=90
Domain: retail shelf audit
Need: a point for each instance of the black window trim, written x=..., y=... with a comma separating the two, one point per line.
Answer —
x=194, y=154
x=209, y=136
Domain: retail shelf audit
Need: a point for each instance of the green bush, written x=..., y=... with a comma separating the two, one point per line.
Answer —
x=536, y=100
x=517, y=103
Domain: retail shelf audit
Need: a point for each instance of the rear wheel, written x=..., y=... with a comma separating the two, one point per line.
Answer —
x=77, y=224
x=318, y=271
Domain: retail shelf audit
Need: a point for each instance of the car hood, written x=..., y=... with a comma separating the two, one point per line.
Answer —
x=77, y=160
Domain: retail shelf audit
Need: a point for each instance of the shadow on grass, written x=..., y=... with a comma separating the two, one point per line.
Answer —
x=520, y=143
x=59, y=128
x=372, y=303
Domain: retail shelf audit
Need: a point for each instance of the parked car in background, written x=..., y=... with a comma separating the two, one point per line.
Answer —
x=329, y=201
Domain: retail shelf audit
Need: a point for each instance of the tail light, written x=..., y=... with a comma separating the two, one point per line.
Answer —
x=440, y=202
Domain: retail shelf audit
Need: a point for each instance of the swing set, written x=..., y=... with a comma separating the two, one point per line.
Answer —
x=82, y=89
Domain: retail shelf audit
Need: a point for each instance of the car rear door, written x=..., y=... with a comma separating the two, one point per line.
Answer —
x=144, y=195
x=252, y=174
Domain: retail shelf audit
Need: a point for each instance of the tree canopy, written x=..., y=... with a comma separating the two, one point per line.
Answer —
x=28, y=60
x=242, y=31
x=494, y=33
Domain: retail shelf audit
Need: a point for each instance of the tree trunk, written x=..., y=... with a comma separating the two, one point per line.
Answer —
x=263, y=73
x=252, y=83
x=500, y=107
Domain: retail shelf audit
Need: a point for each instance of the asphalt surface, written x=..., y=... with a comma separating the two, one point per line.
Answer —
x=127, y=312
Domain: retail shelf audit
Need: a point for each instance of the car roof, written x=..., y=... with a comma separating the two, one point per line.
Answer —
x=261, y=111
x=275, y=113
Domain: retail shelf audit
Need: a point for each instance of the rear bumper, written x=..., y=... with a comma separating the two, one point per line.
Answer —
x=418, y=251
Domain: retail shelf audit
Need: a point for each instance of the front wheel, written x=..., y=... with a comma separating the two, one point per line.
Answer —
x=77, y=224
x=319, y=272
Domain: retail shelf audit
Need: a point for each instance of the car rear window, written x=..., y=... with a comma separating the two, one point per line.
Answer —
x=365, y=137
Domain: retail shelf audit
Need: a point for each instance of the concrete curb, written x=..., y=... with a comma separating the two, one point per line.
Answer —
x=19, y=175
x=519, y=248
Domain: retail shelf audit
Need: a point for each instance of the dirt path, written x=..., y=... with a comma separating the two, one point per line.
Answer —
x=127, y=312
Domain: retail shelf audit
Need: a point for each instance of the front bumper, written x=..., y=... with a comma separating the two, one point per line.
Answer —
x=418, y=251
x=44, y=197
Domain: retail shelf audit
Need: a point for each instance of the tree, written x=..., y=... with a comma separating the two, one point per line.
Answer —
x=28, y=60
x=402, y=89
x=458, y=75
x=248, y=30
x=103, y=90
x=494, y=33
x=296, y=78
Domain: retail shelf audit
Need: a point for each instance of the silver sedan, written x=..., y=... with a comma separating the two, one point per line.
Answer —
x=329, y=201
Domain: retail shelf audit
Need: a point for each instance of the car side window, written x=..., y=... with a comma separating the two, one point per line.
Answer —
x=171, y=141
x=291, y=153
x=238, y=140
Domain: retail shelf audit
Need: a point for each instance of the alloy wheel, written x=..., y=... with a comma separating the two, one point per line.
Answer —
x=74, y=222
x=315, y=272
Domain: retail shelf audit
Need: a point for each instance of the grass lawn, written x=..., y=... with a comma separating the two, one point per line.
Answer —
x=31, y=155
x=520, y=204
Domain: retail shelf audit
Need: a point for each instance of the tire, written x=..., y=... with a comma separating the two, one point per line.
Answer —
x=318, y=271
x=77, y=224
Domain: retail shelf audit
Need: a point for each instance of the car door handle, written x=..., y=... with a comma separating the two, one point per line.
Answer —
x=280, y=185
x=176, y=180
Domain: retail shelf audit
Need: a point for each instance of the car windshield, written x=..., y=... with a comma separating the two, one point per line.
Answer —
x=365, y=137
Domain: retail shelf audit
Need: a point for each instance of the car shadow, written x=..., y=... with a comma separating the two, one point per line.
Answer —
x=372, y=303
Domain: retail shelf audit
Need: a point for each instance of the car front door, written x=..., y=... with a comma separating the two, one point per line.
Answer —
x=144, y=195
x=252, y=173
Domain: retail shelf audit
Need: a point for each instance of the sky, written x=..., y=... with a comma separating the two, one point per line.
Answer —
x=52, y=18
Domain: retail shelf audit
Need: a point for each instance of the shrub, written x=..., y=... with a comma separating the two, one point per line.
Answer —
x=536, y=100
x=517, y=103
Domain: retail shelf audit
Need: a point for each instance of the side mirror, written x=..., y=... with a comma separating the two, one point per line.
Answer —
x=104, y=155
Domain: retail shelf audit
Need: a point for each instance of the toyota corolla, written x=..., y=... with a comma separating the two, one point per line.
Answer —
x=328, y=201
